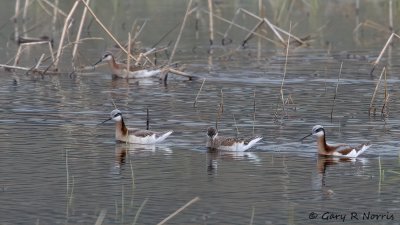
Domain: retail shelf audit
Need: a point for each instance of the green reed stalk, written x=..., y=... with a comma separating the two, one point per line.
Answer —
x=139, y=211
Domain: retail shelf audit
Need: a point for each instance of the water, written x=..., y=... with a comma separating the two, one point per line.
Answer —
x=58, y=166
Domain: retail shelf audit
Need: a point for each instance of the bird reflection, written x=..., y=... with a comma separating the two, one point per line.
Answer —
x=213, y=156
x=137, y=151
x=325, y=162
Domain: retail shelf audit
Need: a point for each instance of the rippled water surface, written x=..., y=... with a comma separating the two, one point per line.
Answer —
x=59, y=166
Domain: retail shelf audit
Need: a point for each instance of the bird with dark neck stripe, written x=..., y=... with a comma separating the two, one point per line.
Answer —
x=343, y=150
x=137, y=136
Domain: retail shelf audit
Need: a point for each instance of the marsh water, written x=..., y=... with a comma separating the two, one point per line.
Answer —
x=59, y=166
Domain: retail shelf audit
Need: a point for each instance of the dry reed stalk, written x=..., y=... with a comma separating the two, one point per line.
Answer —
x=220, y=110
x=101, y=217
x=198, y=93
x=274, y=28
x=385, y=100
x=180, y=73
x=147, y=119
x=25, y=11
x=41, y=4
x=180, y=32
x=391, y=15
x=139, y=211
x=243, y=28
x=285, y=69
x=234, y=122
x=64, y=32
x=337, y=86
x=372, y=25
x=15, y=19
x=211, y=21
x=230, y=26
x=15, y=67
x=55, y=7
x=67, y=169
x=128, y=63
x=17, y=5
x=222, y=101
x=179, y=210
x=39, y=62
x=78, y=35
x=375, y=91
x=250, y=34
x=19, y=51
x=383, y=50
x=139, y=32
x=252, y=216
x=106, y=30
x=254, y=110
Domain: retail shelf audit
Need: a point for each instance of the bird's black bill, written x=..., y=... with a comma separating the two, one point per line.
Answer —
x=98, y=62
x=104, y=121
x=308, y=135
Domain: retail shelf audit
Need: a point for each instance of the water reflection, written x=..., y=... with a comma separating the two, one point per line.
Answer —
x=214, y=156
x=124, y=150
x=351, y=166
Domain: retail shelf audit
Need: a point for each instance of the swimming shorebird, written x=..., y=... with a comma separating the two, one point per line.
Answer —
x=228, y=143
x=119, y=69
x=136, y=136
x=335, y=150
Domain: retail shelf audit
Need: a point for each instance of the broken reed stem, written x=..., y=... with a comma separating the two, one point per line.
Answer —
x=55, y=7
x=180, y=32
x=115, y=106
x=106, y=30
x=234, y=121
x=101, y=217
x=252, y=216
x=139, y=211
x=17, y=55
x=285, y=68
x=211, y=21
x=386, y=99
x=254, y=110
x=198, y=93
x=274, y=28
x=67, y=169
x=147, y=119
x=391, y=15
x=179, y=210
x=39, y=62
x=78, y=35
x=382, y=51
x=220, y=110
x=64, y=32
x=222, y=101
x=243, y=28
x=337, y=86
x=25, y=12
x=250, y=34
x=128, y=62
x=376, y=89
x=139, y=32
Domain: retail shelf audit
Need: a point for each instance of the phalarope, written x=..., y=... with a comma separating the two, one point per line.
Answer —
x=343, y=150
x=135, y=136
x=119, y=69
x=228, y=143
